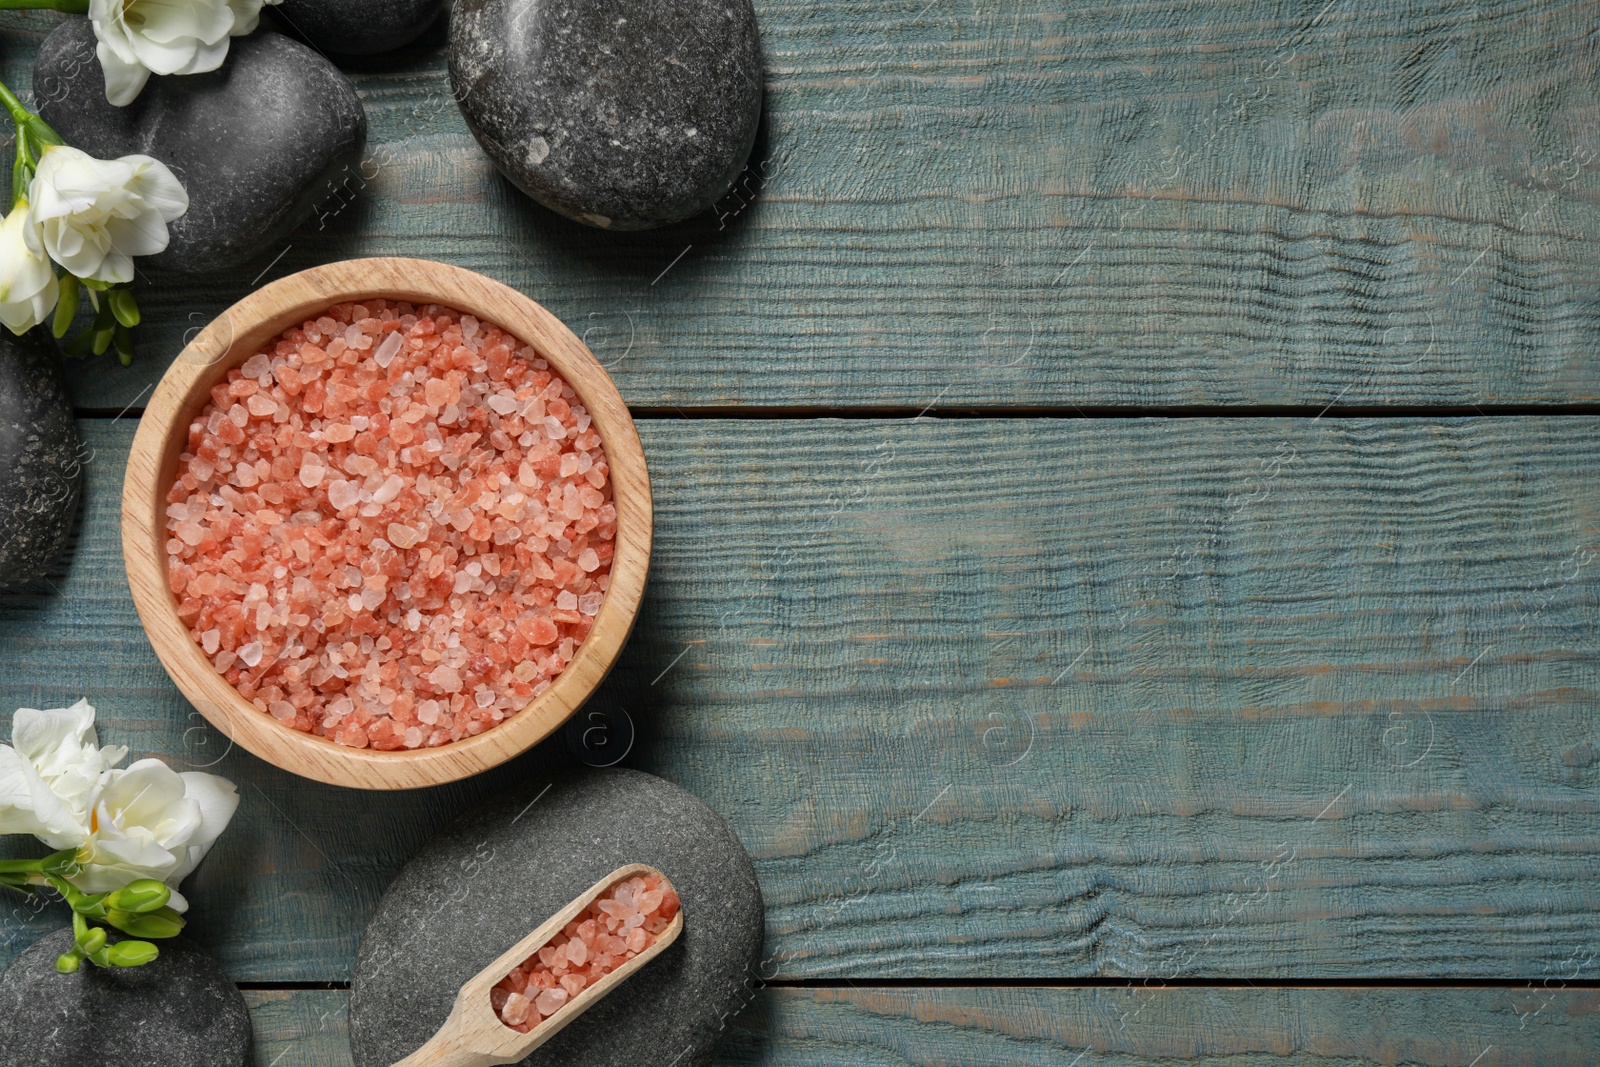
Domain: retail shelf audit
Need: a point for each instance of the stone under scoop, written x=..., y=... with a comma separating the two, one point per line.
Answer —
x=469, y=894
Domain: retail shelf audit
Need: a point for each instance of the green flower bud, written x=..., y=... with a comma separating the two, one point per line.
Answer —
x=132, y=953
x=66, y=306
x=91, y=941
x=91, y=905
x=159, y=924
x=68, y=962
x=144, y=895
x=124, y=307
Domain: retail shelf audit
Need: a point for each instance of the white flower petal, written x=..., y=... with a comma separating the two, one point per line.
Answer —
x=96, y=214
x=218, y=800
x=206, y=57
x=141, y=794
x=28, y=806
x=142, y=235
x=165, y=37
x=42, y=735
x=167, y=21
x=125, y=75
x=155, y=184
x=28, y=286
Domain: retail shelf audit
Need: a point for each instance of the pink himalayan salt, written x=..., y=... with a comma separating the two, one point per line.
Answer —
x=368, y=550
x=621, y=923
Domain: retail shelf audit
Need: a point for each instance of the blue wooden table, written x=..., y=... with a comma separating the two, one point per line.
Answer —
x=1128, y=493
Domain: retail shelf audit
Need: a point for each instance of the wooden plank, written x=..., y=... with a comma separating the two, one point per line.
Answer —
x=968, y=203
x=1152, y=1026
x=1177, y=698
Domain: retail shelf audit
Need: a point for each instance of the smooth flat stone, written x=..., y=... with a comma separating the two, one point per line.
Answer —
x=359, y=27
x=624, y=114
x=180, y=1011
x=41, y=458
x=258, y=143
x=487, y=881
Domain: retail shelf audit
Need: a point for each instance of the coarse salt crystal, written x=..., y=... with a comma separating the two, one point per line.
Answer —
x=343, y=494
x=446, y=679
x=390, y=489
x=387, y=351
x=250, y=655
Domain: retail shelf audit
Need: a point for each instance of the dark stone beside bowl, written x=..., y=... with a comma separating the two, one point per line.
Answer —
x=623, y=114
x=180, y=1011
x=359, y=27
x=258, y=143
x=41, y=458
x=488, y=880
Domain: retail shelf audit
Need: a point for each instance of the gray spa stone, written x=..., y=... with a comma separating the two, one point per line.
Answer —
x=487, y=881
x=359, y=27
x=41, y=458
x=624, y=114
x=258, y=144
x=180, y=1011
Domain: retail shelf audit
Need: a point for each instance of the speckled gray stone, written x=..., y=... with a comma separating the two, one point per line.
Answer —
x=41, y=458
x=180, y=1011
x=492, y=877
x=359, y=27
x=623, y=114
x=258, y=143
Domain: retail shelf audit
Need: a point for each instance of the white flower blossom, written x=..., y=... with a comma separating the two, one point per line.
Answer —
x=49, y=774
x=95, y=215
x=137, y=38
x=28, y=286
x=150, y=822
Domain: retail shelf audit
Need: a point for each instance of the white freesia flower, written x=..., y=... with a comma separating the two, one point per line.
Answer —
x=95, y=215
x=49, y=773
x=28, y=286
x=150, y=822
x=138, y=38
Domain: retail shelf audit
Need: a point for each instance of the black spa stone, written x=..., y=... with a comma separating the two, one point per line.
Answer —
x=487, y=881
x=180, y=1011
x=359, y=27
x=258, y=143
x=624, y=114
x=41, y=458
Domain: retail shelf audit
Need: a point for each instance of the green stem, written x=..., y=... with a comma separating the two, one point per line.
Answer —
x=40, y=130
x=22, y=169
x=67, y=7
x=19, y=114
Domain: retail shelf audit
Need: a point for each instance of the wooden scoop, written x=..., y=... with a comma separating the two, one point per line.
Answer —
x=474, y=1036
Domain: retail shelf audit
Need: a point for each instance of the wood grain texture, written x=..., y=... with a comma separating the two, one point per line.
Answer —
x=1026, y=699
x=1141, y=1027
x=185, y=390
x=1027, y=203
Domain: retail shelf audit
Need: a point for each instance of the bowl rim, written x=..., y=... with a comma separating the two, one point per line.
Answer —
x=230, y=339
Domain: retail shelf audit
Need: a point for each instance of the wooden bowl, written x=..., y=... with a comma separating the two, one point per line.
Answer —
x=184, y=391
